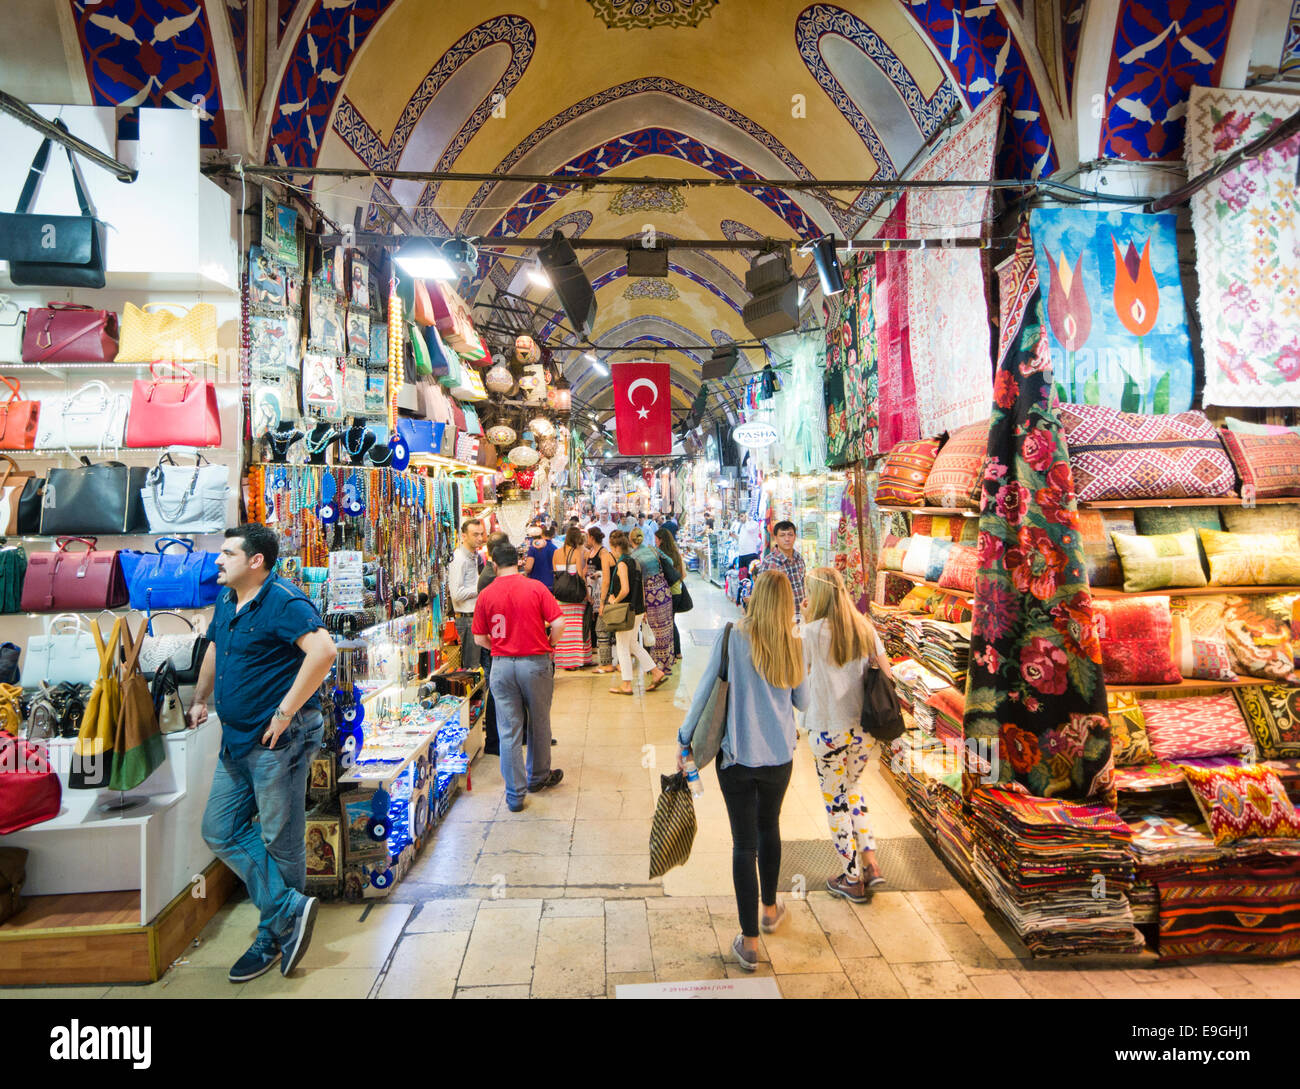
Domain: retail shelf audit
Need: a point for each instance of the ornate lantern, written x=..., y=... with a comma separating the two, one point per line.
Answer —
x=524, y=456
x=548, y=447
x=526, y=349
x=541, y=427
x=500, y=435
x=498, y=378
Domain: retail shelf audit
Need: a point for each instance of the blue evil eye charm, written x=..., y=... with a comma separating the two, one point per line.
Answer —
x=381, y=803
x=347, y=744
x=381, y=879
x=401, y=452
x=328, y=488
x=328, y=513
x=280, y=481
x=353, y=715
x=352, y=505
x=377, y=828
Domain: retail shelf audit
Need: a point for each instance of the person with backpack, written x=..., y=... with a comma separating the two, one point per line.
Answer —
x=839, y=646
x=765, y=673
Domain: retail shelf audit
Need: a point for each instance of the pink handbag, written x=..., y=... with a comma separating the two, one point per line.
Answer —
x=168, y=411
x=453, y=321
x=69, y=333
x=434, y=403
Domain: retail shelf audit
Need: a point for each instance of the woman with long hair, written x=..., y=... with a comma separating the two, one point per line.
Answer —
x=572, y=650
x=766, y=677
x=658, y=598
x=599, y=564
x=839, y=646
x=625, y=585
x=669, y=552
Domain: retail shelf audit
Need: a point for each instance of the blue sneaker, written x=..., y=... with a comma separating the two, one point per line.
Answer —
x=259, y=959
x=295, y=945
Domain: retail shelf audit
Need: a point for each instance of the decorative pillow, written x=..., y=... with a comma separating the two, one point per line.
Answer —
x=1152, y=521
x=902, y=480
x=1275, y=518
x=1259, y=636
x=1156, y=563
x=1272, y=713
x=1246, y=427
x=1208, y=725
x=917, y=557
x=1269, y=465
x=958, y=471
x=1124, y=455
x=960, y=570
x=1095, y=529
x=917, y=600
x=1243, y=803
x=1135, y=638
x=1251, y=559
x=955, y=610
x=892, y=553
x=1128, y=731
x=1200, y=646
x=923, y=525
x=939, y=550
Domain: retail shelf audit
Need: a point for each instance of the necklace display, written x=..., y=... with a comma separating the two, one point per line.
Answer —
x=281, y=439
x=319, y=440
x=358, y=440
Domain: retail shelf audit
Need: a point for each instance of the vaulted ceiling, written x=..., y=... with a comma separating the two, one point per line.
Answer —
x=664, y=88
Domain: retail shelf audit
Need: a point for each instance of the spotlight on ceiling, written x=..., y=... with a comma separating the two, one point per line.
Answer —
x=596, y=364
x=828, y=266
x=538, y=276
x=424, y=259
x=774, y=307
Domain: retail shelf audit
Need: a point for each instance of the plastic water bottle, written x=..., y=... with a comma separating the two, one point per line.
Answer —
x=692, y=773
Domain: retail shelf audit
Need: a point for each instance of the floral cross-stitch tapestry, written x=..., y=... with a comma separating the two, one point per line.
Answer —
x=1035, y=683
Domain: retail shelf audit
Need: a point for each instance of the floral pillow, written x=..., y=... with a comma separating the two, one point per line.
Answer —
x=1209, y=725
x=1243, y=803
x=1200, y=644
x=1128, y=730
x=1258, y=630
x=1135, y=636
x=1251, y=559
x=1272, y=713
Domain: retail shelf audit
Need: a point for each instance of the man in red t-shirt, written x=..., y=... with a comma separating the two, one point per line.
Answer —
x=520, y=622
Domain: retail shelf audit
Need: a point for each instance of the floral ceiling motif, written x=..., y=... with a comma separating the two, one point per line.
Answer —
x=632, y=199
x=646, y=14
x=647, y=288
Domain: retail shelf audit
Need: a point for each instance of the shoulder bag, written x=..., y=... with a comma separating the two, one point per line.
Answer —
x=29, y=788
x=18, y=418
x=186, y=498
x=91, y=416
x=13, y=486
x=451, y=317
x=166, y=694
x=882, y=713
x=682, y=602
x=182, y=653
x=167, y=580
x=137, y=742
x=53, y=251
x=103, y=497
x=167, y=411
x=706, y=737
x=187, y=337
x=568, y=589
x=59, y=654
x=64, y=332
x=66, y=581
x=619, y=615
x=91, y=754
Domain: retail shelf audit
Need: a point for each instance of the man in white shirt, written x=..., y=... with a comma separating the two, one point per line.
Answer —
x=606, y=525
x=649, y=528
x=462, y=577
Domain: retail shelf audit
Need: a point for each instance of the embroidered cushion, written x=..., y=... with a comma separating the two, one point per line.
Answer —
x=892, y=553
x=1272, y=713
x=1259, y=635
x=956, y=610
x=917, y=600
x=1128, y=730
x=1152, y=521
x=1135, y=638
x=960, y=569
x=1156, y=563
x=1124, y=455
x=1243, y=803
x=1246, y=427
x=1208, y=725
x=957, y=475
x=1268, y=465
x=1275, y=518
x=902, y=479
x=891, y=588
x=1095, y=529
x=1200, y=646
x=1251, y=559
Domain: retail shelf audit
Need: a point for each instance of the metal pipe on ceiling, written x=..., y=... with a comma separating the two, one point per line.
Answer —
x=48, y=129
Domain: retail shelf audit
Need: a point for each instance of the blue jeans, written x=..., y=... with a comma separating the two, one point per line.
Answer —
x=518, y=683
x=270, y=857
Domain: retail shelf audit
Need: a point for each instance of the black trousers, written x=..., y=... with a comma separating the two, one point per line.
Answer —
x=753, y=797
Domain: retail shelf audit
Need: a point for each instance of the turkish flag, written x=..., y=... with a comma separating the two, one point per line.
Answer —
x=643, y=416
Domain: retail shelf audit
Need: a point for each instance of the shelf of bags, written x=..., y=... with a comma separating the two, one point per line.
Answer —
x=963, y=594
x=1233, y=501
x=144, y=533
x=111, y=451
x=1193, y=591
x=950, y=512
x=1187, y=684
x=438, y=461
x=103, y=365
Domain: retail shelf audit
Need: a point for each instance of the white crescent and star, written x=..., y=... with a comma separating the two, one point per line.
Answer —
x=642, y=412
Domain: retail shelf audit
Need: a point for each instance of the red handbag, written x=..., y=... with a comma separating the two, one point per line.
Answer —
x=66, y=581
x=70, y=333
x=18, y=419
x=451, y=316
x=29, y=788
x=166, y=411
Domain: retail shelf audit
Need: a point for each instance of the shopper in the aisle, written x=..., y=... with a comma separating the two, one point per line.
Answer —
x=600, y=562
x=571, y=561
x=519, y=621
x=766, y=676
x=462, y=585
x=625, y=585
x=606, y=525
x=269, y=653
x=785, y=558
x=658, y=598
x=749, y=543
x=671, y=555
x=539, y=564
x=491, y=740
x=839, y=646
x=670, y=523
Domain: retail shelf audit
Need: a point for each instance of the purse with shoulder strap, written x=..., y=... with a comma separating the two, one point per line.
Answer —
x=706, y=738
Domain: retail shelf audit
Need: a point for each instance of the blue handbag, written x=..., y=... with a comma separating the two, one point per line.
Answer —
x=437, y=350
x=418, y=435
x=172, y=580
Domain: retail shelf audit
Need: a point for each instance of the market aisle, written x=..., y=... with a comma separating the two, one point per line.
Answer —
x=555, y=902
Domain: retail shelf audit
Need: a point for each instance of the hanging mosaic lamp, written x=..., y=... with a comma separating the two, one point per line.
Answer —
x=526, y=349
x=500, y=435
x=498, y=378
x=548, y=447
x=524, y=456
x=541, y=427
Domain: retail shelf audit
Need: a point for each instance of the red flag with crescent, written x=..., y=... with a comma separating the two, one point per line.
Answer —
x=643, y=416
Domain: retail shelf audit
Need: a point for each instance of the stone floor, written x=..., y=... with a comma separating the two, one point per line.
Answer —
x=555, y=902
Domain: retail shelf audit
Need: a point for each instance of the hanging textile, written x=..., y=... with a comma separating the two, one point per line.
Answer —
x=1116, y=322
x=1035, y=687
x=897, y=404
x=848, y=544
x=1247, y=226
x=866, y=405
x=833, y=392
x=1017, y=281
x=947, y=305
x=798, y=412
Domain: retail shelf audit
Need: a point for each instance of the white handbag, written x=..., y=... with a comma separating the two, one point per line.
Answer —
x=186, y=498
x=59, y=655
x=11, y=330
x=92, y=416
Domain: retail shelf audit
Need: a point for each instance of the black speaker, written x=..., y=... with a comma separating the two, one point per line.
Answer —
x=721, y=364
x=647, y=262
x=577, y=298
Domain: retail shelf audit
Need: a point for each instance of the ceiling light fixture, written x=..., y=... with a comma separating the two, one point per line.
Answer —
x=423, y=259
x=828, y=266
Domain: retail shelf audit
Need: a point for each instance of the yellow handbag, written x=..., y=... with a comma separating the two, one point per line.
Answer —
x=151, y=335
x=92, y=753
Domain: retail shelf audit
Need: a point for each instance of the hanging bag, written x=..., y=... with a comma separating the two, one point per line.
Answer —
x=422, y=311
x=619, y=615
x=103, y=497
x=29, y=788
x=173, y=411
x=91, y=416
x=152, y=334
x=66, y=581
x=882, y=713
x=706, y=735
x=59, y=654
x=92, y=751
x=138, y=748
x=13, y=484
x=165, y=692
x=419, y=350
x=64, y=332
x=186, y=498
x=168, y=580
x=52, y=251
x=183, y=653
x=19, y=419
x=672, y=832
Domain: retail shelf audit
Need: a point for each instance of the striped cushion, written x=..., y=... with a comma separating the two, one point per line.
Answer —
x=1201, y=726
x=957, y=475
x=1267, y=464
x=902, y=480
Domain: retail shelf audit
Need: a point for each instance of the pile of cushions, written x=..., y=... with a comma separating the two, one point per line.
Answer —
x=926, y=471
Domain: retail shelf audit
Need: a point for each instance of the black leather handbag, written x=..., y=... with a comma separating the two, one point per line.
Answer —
x=103, y=497
x=29, y=507
x=52, y=251
x=882, y=713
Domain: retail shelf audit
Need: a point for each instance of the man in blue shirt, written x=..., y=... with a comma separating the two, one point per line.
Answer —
x=269, y=653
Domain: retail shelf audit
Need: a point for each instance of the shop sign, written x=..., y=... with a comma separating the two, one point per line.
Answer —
x=754, y=435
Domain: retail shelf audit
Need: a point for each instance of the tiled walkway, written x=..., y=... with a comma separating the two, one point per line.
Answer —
x=554, y=901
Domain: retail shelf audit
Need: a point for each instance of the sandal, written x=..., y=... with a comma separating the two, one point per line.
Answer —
x=622, y=692
x=651, y=687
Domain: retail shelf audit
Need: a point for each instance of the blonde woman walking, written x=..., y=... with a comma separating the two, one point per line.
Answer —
x=839, y=646
x=766, y=675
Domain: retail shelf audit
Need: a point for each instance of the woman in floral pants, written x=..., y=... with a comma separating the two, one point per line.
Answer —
x=839, y=645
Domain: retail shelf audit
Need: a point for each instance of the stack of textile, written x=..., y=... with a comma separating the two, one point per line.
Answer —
x=948, y=706
x=918, y=764
x=1059, y=872
x=1166, y=846
x=955, y=835
x=886, y=619
x=945, y=648
x=1238, y=911
x=915, y=686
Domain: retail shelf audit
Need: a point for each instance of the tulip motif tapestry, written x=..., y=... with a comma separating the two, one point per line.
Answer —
x=1247, y=226
x=1035, y=696
x=1116, y=321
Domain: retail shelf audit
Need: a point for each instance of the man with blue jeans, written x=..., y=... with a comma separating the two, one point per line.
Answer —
x=269, y=653
x=519, y=621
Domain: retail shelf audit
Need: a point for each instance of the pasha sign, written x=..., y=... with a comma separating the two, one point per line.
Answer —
x=754, y=435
